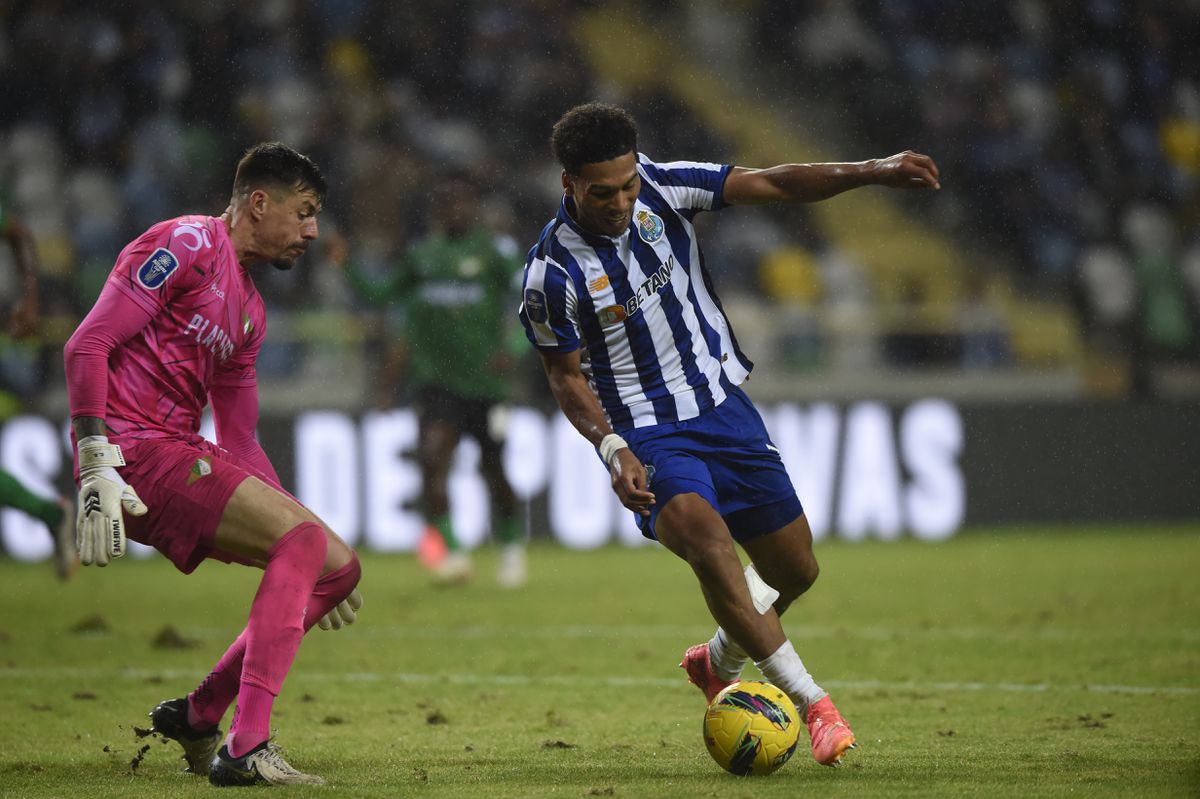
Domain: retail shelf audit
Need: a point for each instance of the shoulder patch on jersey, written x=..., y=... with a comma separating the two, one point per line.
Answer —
x=535, y=306
x=155, y=270
x=650, y=226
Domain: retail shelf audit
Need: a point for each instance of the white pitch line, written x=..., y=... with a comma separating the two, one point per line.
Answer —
x=576, y=681
x=798, y=633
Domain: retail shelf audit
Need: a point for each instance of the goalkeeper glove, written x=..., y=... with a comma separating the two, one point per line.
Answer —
x=345, y=613
x=99, y=525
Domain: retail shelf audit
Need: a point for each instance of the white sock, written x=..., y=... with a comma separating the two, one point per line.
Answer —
x=785, y=670
x=727, y=658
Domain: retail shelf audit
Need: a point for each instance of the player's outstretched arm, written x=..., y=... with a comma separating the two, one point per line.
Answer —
x=814, y=182
x=577, y=402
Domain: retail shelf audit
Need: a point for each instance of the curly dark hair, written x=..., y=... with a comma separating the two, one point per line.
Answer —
x=274, y=163
x=591, y=133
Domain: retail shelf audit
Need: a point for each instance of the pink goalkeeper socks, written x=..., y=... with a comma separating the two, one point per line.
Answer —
x=208, y=703
x=276, y=626
x=252, y=721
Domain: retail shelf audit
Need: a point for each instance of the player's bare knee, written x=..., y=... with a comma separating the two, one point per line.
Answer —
x=690, y=537
x=795, y=581
x=711, y=557
x=338, y=554
x=348, y=574
x=812, y=571
x=791, y=577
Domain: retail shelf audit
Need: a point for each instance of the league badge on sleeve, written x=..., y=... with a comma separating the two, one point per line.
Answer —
x=535, y=306
x=157, y=268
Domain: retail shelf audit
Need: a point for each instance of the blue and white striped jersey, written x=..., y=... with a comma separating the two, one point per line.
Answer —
x=656, y=344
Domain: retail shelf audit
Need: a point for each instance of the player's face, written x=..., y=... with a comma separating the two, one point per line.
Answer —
x=604, y=194
x=288, y=224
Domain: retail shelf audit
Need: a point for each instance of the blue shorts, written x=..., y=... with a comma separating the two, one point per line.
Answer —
x=725, y=456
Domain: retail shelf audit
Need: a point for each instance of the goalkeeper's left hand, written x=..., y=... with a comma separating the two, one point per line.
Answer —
x=345, y=613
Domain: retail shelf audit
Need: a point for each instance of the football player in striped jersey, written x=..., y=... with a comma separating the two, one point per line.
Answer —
x=641, y=358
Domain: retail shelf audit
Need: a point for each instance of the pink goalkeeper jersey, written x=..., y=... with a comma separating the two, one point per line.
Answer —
x=206, y=327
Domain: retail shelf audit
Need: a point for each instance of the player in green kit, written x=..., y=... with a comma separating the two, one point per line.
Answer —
x=456, y=290
x=23, y=321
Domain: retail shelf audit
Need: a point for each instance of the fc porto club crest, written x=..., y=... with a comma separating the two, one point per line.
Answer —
x=650, y=226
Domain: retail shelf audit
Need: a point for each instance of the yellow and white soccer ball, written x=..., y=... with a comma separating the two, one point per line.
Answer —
x=751, y=728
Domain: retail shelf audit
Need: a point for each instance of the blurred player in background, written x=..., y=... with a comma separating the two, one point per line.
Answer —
x=24, y=321
x=455, y=290
x=641, y=359
x=178, y=324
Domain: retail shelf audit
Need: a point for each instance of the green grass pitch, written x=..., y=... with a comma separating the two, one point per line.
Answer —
x=1021, y=662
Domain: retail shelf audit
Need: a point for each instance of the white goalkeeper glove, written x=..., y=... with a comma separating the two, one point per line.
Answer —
x=99, y=525
x=345, y=613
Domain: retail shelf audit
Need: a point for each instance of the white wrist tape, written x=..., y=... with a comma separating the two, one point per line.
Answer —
x=761, y=594
x=96, y=453
x=609, y=446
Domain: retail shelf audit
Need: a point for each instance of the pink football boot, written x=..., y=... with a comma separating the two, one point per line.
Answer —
x=700, y=672
x=831, y=735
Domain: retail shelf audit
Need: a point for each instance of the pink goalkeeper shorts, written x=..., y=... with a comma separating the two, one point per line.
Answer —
x=186, y=487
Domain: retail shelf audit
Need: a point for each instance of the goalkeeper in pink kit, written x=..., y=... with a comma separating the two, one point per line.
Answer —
x=178, y=325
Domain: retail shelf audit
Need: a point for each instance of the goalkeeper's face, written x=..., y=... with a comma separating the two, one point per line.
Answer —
x=287, y=226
